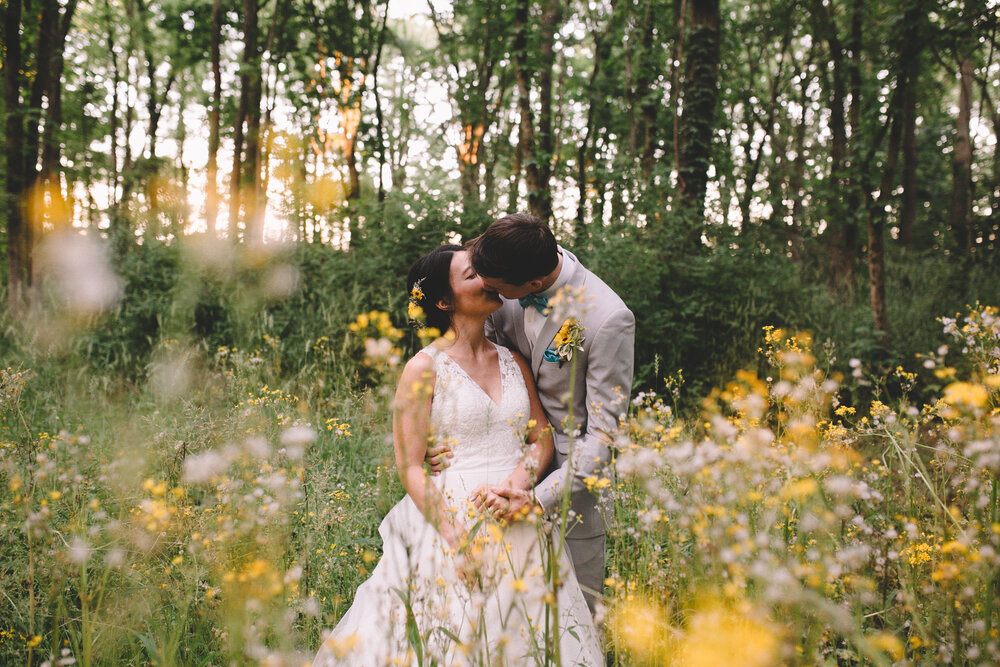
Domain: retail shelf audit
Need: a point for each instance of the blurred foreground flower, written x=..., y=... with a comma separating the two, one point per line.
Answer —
x=81, y=271
x=718, y=634
x=642, y=629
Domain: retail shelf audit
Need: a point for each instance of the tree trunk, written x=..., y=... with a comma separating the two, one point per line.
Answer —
x=911, y=44
x=47, y=39
x=214, y=124
x=995, y=191
x=584, y=156
x=53, y=122
x=236, y=179
x=540, y=197
x=18, y=262
x=877, y=215
x=700, y=98
x=251, y=174
x=840, y=219
x=908, y=207
x=961, y=190
x=350, y=109
x=379, y=120
x=648, y=102
x=113, y=118
x=526, y=127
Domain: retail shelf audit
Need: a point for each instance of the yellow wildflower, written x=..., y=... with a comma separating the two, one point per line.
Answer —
x=967, y=394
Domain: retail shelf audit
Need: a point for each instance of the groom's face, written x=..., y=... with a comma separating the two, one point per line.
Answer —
x=509, y=291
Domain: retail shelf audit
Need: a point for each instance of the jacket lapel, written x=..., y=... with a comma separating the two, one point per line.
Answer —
x=520, y=338
x=552, y=322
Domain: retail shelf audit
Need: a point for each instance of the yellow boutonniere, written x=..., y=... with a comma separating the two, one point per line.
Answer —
x=569, y=339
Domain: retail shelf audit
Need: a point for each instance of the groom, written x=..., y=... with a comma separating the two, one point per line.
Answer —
x=517, y=256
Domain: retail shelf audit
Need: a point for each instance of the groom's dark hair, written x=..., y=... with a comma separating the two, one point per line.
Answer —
x=516, y=248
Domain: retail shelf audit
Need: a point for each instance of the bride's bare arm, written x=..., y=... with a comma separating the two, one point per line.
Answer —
x=410, y=430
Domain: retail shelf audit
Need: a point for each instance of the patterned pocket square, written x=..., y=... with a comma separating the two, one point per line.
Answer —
x=551, y=355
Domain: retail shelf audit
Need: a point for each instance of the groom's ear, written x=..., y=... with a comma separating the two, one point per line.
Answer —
x=535, y=285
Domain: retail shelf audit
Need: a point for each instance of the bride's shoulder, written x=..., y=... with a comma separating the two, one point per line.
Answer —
x=420, y=366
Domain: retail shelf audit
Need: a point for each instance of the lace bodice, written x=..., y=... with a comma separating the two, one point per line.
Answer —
x=484, y=435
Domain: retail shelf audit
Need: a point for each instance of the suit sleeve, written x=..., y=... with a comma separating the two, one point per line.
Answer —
x=608, y=383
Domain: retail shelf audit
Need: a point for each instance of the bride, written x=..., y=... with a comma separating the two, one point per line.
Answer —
x=455, y=587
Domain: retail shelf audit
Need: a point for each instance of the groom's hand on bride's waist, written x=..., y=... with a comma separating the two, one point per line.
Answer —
x=438, y=457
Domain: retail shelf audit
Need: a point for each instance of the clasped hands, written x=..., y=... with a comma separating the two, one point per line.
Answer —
x=503, y=502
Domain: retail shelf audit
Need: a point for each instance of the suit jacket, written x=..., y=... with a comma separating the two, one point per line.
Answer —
x=601, y=381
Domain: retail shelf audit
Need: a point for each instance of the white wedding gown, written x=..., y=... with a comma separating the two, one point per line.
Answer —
x=414, y=609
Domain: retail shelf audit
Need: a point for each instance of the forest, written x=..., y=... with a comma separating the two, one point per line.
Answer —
x=209, y=209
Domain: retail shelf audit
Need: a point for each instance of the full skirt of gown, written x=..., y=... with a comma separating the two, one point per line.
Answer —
x=525, y=606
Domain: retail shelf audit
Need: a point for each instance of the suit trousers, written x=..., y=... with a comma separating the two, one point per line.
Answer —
x=587, y=555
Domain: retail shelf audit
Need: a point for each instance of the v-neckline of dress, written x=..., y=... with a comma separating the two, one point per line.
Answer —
x=495, y=402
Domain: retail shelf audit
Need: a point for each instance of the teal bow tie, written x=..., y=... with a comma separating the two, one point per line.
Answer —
x=541, y=303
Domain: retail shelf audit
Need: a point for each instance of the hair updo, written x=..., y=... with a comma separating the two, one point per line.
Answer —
x=432, y=275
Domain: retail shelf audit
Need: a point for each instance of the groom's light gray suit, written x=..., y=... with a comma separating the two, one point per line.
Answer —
x=599, y=393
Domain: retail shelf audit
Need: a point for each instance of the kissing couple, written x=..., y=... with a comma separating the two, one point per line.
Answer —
x=494, y=425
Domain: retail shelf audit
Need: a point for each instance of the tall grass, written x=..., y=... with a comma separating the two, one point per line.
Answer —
x=197, y=477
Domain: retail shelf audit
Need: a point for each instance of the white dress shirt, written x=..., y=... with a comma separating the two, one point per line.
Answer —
x=534, y=320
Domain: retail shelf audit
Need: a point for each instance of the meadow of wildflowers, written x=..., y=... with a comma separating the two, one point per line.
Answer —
x=785, y=527
x=223, y=508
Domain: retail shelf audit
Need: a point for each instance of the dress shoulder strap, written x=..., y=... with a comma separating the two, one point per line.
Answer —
x=432, y=351
x=507, y=362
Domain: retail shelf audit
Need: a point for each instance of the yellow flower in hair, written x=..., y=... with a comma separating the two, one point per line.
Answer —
x=414, y=310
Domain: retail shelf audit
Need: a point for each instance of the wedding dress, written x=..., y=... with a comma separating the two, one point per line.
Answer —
x=414, y=609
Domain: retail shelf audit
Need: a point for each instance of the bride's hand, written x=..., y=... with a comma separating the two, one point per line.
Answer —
x=438, y=458
x=515, y=503
x=488, y=501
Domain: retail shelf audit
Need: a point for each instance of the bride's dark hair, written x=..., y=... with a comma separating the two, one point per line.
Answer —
x=429, y=281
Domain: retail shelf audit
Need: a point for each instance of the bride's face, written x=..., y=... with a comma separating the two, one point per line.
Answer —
x=471, y=297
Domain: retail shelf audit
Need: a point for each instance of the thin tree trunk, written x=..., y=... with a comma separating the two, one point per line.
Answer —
x=53, y=123
x=236, y=180
x=675, y=86
x=251, y=175
x=908, y=207
x=876, y=221
x=128, y=179
x=113, y=119
x=840, y=218
x=961, y=191
x=649, y=104
x=526, y=126
x=214, y=124
x=994, y=115
x=853, y=194
x=379, y=120
x=47, y=39
x=18, y=263
x=700, y=98
x=584, y=152
x=540, y=197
